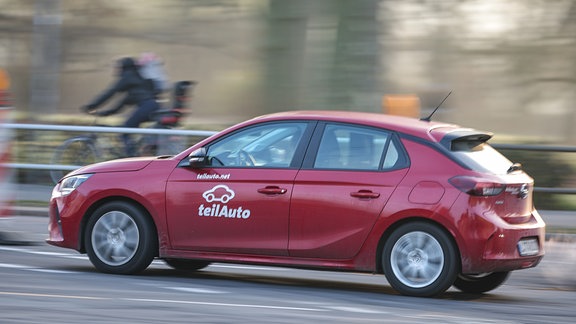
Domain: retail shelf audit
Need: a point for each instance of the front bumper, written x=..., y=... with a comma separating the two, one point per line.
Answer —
x=64, y=222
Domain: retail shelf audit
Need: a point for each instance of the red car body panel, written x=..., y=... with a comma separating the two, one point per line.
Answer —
x=308, y=218
x=235, y=226
x=329, y=216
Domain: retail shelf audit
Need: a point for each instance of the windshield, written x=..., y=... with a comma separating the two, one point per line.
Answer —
x=269, y=145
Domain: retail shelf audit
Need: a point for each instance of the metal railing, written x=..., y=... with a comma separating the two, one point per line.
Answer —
x=108, y=129
x=542, y=148
x=91, y=129
x=201, y=133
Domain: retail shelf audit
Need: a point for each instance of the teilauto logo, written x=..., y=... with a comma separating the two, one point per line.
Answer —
x=223, y=194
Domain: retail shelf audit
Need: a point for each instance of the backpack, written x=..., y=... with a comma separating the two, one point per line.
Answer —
x=152, y=68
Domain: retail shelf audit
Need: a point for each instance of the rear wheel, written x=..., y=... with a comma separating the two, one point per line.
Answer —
x=186, y=265
x=420, y=259
x=120, y=238
x=77, y=151
x=480, y=283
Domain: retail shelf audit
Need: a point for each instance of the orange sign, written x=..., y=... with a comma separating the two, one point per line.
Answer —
x=4, y=85
x=4, y=80
x=401, y=105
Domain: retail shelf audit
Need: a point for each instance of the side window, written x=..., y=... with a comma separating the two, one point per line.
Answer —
x=272, y=145
x=392, y=156
x=356, y=148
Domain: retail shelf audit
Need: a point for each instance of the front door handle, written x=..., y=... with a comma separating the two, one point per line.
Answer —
x=366, y=194
x=272, y=190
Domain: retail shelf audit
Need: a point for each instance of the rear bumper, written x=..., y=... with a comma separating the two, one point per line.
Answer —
x=500, y=250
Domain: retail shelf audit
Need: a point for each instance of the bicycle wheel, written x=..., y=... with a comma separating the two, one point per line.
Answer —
x=76, y=151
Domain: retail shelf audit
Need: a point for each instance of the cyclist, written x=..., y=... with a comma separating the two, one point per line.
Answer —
x=138, y=92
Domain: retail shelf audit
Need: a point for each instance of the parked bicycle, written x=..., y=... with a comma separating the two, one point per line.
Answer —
x=95, y=147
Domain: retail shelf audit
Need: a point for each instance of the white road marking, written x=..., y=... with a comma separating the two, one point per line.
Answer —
x=165, y=301
x=155, y=262
x=29, y=268
x=52, y=271
x=198, y=290
x=49, y=295
x=225, y=304
x=246, y=267
x=13, y=266
x=356, y=310
x=47, y=253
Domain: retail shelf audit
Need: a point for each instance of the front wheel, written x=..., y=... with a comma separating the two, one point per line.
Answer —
x=480, y=283
x=76, y=151
x=420, y=259
x=120, y=238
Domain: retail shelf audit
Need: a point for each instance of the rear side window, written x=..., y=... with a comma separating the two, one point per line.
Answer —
x=348, y=147
x=480, y=156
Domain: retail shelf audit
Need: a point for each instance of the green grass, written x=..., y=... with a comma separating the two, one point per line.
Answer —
x=30, y=203
x=560, y=230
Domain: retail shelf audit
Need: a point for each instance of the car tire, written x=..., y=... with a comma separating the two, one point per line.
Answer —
x=120, y=238
x=420, y=259
x=481, y=283
x=186, y=265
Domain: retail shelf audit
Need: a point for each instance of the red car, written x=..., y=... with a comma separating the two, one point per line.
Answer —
x=427, y=204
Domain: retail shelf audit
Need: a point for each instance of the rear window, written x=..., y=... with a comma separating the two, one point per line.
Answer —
x=480, y=156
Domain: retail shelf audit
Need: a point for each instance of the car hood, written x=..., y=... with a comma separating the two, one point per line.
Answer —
x=120, y=165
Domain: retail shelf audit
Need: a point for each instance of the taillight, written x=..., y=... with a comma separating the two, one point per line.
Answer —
x=477, y=186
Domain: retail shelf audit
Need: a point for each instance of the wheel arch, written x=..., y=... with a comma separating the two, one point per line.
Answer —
x=101, y=202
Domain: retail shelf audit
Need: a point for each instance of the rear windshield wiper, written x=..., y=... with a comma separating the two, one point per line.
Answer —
x=514, y=167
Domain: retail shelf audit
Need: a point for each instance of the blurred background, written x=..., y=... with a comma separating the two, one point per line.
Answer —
x=510, y=64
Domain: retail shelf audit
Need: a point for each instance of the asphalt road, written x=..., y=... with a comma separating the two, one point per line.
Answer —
x=41, y=283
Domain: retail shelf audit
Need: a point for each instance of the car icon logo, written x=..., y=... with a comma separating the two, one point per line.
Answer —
x=219, y=193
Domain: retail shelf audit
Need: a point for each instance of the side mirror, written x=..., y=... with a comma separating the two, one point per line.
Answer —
x=199, y=158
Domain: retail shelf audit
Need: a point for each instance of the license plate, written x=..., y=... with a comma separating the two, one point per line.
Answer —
x=527, y=247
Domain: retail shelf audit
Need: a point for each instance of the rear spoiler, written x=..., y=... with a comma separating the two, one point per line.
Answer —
x=450, y=140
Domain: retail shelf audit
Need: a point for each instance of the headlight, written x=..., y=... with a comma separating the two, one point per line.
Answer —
x=70, y=184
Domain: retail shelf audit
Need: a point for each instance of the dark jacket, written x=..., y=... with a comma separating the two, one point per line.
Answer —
x=137, y=89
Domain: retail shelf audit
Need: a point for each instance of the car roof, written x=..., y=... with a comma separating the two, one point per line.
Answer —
x=411, y=126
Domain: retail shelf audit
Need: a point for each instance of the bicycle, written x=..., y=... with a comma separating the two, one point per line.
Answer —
x=93, y=147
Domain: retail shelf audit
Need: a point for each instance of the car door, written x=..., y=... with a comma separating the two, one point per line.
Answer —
x=346, y=180
x=239, y=202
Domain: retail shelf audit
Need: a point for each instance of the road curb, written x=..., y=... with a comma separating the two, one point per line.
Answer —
x=15, y=238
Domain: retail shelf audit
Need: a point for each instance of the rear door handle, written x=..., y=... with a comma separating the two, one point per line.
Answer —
x=366, y=194
x=272, y=190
